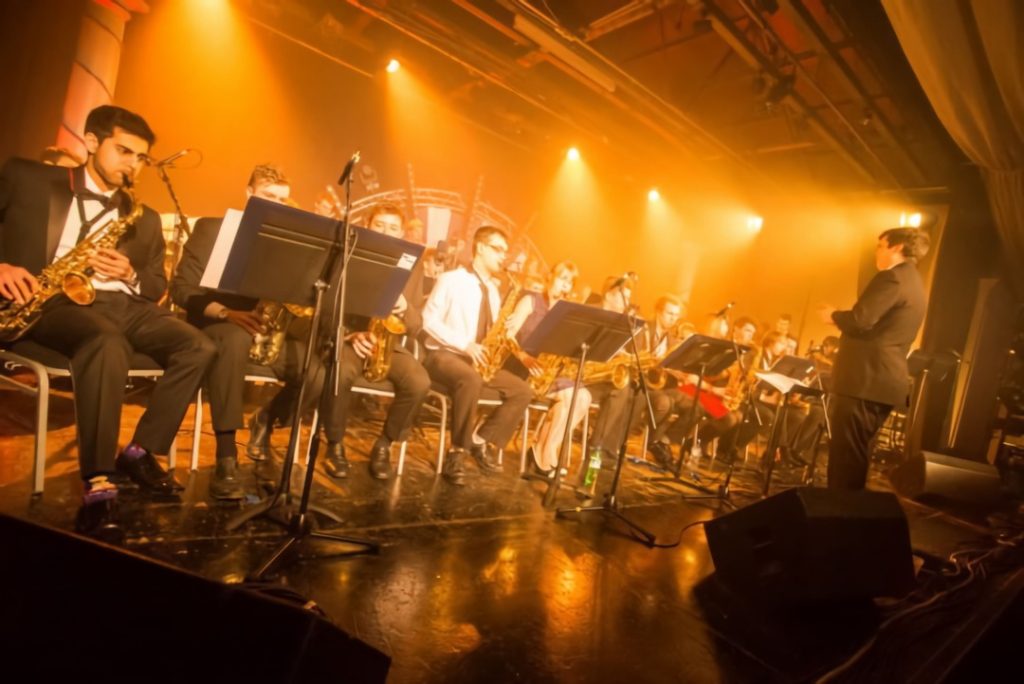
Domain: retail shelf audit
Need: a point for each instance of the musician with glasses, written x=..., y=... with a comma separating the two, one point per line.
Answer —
x=463, y=306
x=46, y=212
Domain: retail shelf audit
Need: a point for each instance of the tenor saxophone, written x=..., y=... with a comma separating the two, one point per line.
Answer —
x=70, y=275
x=274, y=320
x=497, y=345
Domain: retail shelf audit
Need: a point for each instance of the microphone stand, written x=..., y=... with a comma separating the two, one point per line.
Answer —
x=610, y=506
x=300, y=523
x=181, y=229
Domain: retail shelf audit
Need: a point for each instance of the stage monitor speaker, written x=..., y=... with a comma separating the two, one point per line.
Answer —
x=78, y=610
x=927, y=474
x=810, y=544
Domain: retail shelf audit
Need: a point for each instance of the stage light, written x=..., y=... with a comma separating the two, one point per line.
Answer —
x=910, y=219
x=754, y=224
x=653, y=195
x=393, y=66
x=573, y=154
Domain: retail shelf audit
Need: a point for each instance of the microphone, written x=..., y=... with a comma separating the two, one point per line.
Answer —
x=725, y=309
x=174, y=157
x=347, y=171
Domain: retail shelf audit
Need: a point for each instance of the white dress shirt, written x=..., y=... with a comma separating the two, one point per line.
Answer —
x=453, y=309
x=73, y=223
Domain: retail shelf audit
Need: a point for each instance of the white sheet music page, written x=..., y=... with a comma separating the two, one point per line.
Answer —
x=221, y=249
x=782, y=383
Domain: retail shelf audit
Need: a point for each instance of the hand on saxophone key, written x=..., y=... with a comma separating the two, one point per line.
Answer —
x=16, y=283
x=476, y=352
x=363, y=343
x=247, y=320
x=111, y=264
x=400, y=306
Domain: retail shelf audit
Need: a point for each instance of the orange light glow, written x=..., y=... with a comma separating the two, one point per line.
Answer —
x=653, y=195
x=573, y=154
x=754, y=224
x=393, y=66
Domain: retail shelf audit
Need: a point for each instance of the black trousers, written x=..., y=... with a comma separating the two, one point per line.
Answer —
x=99, y=339
x=855, y=422
x=666, y=402
x=406, y=374
x=225, y=378
x=455, y=373
x=613, y=418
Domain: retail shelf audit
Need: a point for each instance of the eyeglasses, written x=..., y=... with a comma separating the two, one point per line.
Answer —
x=500, y=249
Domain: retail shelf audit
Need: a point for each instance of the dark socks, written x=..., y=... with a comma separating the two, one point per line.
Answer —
x=226, y=447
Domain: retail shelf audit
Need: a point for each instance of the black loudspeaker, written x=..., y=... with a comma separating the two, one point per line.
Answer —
x=77, y=610
x=927, y=474
x=809, y=544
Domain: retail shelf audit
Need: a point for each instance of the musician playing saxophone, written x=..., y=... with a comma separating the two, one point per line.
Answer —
x=462, y=307
x=406, y=375
x=529, y=311
x=231, y=321
x=658, y=339
x=46, y=212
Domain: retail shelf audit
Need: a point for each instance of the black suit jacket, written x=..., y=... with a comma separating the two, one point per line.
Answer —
x=34, y=203
x=185, y=289
x=877, y=334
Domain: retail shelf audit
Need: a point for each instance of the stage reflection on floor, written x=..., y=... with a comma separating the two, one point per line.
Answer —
x=482, y=583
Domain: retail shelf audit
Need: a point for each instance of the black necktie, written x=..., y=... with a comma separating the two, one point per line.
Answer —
x=483, y=321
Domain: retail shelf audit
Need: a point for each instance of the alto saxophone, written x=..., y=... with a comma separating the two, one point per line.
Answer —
x=274, y=320
x=386, y=330
x=741, y=381
x=497, y=345
x=71, y=275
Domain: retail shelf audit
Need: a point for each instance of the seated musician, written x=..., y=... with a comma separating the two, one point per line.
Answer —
x=723, y=398
x=46, y=212
x=463, y=306
x=407, y=375
x=659, y=339
x=813, y=424
x=612, y=422
x=409, y=381
x=529, y=311
x=231, y=321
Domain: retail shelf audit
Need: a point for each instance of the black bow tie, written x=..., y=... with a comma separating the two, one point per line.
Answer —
x=87, y=194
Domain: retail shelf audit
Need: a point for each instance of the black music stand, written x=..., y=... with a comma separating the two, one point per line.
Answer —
x=701, y=355
x=788, y=377
x=274, y=255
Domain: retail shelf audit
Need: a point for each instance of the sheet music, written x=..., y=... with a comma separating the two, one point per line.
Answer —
x=783, y=383
x=221, y=249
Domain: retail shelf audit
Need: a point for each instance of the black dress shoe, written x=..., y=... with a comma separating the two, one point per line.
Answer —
x=335, y=463
x=225, y=485
x=486, y=457
x=454, y=469
x=662, y=454
x=258, y=446
x=380, y=459
x=147, y=473
x=99, y=520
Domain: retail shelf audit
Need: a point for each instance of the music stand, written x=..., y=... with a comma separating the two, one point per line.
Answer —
x=700, y=355
x=271, y=253
x=788, y=377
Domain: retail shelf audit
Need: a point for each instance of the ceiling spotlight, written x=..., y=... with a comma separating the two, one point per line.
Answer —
x=393, y=66
x=653, y=195
x=573, y=154
x=910, y=219
x=754, y=224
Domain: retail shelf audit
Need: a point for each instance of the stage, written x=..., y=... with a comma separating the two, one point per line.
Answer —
x=481, y=583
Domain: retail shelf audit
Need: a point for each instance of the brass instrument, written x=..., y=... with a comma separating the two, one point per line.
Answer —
x=71, y=274
x=386, y=330
x=274, y=320
x=496, y=343
x=741, y=381
x=654, y=375
x=617, y=370
x=552, y=367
